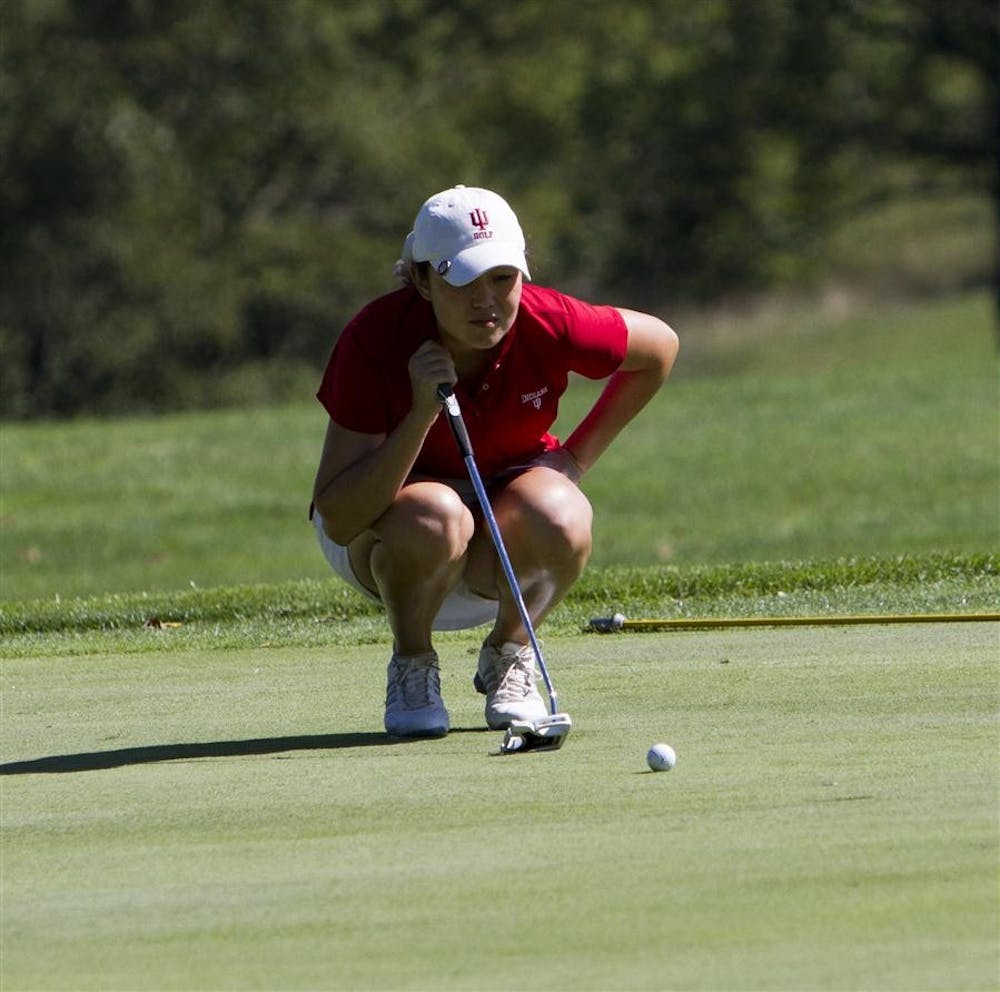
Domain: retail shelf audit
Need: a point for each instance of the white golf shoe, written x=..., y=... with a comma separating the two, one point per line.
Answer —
x=506, y=675
x=413, y=704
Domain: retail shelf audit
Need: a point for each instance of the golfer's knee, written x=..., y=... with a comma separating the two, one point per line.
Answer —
x=428, y=521
x=558, y=524
x=571, y=529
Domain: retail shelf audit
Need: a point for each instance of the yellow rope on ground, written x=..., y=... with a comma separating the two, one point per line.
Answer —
x=618, y=622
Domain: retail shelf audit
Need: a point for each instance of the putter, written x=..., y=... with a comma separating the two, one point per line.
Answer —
x=550, y=732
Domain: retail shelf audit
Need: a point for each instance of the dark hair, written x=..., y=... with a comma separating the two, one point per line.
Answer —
x=402, y=271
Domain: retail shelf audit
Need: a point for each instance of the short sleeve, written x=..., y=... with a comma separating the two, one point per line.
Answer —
x=596, y=337
x=353, y=386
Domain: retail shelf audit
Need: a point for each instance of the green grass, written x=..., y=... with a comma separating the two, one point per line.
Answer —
x=197, y=793
x=235, y=819
x=815, y=438
x=798, y=435
x=317, y=613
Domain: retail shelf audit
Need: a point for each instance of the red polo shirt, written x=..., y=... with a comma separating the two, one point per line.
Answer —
x=366, y=386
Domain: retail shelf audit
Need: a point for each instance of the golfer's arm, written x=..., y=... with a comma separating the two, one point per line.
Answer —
x=360, y=475
x=652, y=348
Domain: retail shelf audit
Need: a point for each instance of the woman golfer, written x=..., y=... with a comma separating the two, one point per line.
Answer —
x=394, y=510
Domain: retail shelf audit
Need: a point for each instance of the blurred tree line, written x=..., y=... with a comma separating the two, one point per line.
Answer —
x=195, y=193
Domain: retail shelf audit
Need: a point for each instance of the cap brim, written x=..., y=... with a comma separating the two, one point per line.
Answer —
x=471, y=263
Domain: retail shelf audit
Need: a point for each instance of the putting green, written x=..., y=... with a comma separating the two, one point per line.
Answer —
x=228, y=820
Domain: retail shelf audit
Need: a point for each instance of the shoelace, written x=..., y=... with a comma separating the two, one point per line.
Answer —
x=416, y=682
x=518, y=680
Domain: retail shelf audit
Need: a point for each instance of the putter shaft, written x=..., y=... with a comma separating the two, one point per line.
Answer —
x=453, y=412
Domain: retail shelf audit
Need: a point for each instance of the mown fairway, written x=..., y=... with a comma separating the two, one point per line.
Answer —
x=806, y=437
x=236, y=820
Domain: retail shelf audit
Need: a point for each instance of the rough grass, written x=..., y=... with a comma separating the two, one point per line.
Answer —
x=328, y=613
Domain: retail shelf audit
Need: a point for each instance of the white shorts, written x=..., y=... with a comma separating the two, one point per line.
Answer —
x=462, y=609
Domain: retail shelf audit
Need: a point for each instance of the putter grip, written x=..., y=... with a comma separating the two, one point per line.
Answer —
x=447, y=396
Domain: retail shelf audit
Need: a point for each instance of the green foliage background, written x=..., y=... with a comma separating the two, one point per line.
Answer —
x=194, y=196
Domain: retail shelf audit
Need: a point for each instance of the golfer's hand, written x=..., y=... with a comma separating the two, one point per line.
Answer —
x=429, y=366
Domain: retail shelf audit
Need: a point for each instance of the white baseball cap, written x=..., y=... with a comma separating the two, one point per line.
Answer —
x=463, y=232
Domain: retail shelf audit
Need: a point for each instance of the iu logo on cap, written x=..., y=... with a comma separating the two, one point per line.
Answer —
x=479, y=218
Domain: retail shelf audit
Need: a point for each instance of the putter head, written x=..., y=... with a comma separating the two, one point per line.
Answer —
x=546, y=734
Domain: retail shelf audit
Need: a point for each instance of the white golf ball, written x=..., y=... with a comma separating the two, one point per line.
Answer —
x=661, y=757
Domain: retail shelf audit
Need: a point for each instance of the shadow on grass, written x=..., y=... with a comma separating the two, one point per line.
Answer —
x=97, y=760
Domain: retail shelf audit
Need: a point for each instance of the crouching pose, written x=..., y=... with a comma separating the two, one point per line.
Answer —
x=395, y=513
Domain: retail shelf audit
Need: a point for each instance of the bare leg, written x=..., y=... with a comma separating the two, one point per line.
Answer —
x=546, y=524
x=414, y=555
